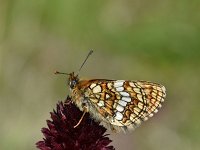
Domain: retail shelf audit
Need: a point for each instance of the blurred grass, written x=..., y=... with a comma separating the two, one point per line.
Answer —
x=148, y=40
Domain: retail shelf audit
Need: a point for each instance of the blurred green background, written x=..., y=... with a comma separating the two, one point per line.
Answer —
x=133, y=39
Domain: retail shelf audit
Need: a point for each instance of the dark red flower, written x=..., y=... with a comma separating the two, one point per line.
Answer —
x=61, y=134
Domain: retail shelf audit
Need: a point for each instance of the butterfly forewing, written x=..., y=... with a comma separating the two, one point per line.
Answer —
x=123, y=103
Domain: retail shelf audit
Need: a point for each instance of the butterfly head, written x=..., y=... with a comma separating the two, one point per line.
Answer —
x=72, y=80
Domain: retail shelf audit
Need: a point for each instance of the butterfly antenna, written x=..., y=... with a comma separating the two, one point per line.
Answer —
x=91, y=51
x=57, y=72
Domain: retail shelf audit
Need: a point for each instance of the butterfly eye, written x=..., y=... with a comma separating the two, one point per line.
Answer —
x=72, y=83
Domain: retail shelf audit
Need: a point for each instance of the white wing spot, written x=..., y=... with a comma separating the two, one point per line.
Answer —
x=150, y=115
x=109, y=85
x=123, y=103
x=119, y=89
x=131, y=84
x=137, y=90
x=107, y=96
x=145, y=118
x=159, y=98
x=156, y=110
x=127, y=99
x=100, y=103
x=157, y=103
x=98, y=96
x=97, y=89
x=118, y=116
x=118, y=83
x=153, y=94
x=92, y=85
x=124, y=93
x=164, y=91
x=140, y=105
x=160, y=93
x=136, y=111
x=132, y=117
x=120, y=108
x=153, y=108
x=163, y=88
x=139, y=96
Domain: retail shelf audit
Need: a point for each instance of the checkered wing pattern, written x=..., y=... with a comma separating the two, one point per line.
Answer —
x=124, y=104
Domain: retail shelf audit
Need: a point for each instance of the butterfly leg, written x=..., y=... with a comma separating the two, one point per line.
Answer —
x=68, y=100
x=85, y=110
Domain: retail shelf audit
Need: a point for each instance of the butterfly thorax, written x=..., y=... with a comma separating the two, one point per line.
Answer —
x=77, y=90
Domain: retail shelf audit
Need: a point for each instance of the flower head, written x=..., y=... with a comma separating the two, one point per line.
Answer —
x=61, y=134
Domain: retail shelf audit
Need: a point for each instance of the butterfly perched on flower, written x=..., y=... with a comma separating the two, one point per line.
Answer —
x=117, y=104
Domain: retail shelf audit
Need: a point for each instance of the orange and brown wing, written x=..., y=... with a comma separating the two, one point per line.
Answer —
x=125, y=103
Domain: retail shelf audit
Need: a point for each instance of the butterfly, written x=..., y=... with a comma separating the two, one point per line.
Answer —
x=119, y=105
